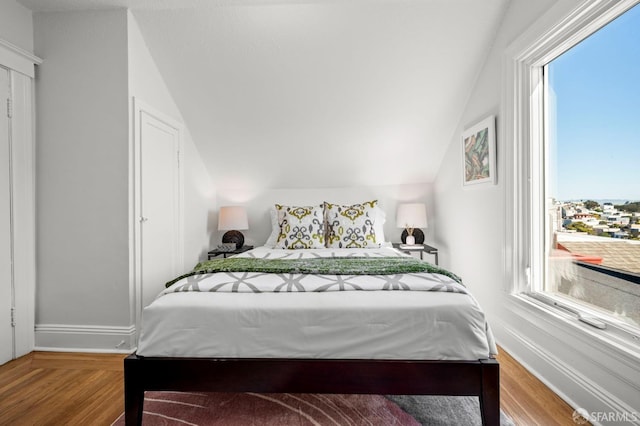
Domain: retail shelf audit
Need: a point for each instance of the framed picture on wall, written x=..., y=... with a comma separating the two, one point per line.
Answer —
x=479, y=153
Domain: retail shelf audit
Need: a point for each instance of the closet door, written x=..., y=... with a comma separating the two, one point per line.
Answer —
x=23, y=248
x=6, y=275
x=158, y=202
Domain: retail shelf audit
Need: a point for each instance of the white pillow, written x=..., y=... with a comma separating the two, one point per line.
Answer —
x=378, y=225
x=275, y=228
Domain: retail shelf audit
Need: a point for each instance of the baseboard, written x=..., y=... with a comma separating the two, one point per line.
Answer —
x=609, y=403
x=84, y=338
x=83, y=350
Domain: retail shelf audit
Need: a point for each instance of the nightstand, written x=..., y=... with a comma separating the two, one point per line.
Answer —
x=424, y=249
x=216, y=252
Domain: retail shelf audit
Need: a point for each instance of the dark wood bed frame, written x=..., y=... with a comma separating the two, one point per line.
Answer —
x=392, y=377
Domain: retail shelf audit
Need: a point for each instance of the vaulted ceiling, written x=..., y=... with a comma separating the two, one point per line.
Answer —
x=313, y=93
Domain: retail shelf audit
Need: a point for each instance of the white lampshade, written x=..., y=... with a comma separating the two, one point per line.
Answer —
x=232, y=218
x=412, y=215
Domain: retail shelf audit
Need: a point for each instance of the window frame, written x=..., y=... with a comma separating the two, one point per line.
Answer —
x=523, y=105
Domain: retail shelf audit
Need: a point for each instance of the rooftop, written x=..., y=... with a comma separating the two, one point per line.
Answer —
x=616, y=253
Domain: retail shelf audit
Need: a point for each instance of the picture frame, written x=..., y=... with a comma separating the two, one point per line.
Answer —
x=479, y=153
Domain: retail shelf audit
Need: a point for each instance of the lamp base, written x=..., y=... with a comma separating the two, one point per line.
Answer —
x=233, y=237
x=417, y=233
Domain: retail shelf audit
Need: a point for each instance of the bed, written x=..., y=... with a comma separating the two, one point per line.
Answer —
x=305, y=331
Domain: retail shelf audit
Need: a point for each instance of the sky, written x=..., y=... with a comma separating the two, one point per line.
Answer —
x=597, y=95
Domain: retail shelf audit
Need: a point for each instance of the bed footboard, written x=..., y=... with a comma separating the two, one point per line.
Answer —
x=398, y=377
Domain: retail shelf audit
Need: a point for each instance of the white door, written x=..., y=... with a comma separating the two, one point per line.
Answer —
x=158, y=144
x=6, y=275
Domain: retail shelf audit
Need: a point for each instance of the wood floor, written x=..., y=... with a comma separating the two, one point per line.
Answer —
x=47, y=388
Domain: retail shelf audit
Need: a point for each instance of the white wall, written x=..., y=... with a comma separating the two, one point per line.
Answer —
x=146, y=84
x=471, y=231
x=16, y=24
x=82, y=178
x=471, y=234
x=95, y=64
x=259, y=201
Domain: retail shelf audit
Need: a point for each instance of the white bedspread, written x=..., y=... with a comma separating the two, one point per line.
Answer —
x=339, y=325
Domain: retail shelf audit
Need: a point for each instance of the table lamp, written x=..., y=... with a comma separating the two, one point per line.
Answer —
x=232, y=219
x=411, y=217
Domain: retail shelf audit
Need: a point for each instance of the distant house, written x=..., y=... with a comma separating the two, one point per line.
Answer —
x=582, y=215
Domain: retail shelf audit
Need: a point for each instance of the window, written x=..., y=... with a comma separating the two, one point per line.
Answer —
x=592, y=172
x=572, y=173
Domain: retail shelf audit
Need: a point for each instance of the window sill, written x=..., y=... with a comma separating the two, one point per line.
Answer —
x=585, y=366
x=558, y=323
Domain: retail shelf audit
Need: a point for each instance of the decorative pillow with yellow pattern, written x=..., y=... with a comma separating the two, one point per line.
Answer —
x=351, y=226
x=301, y=227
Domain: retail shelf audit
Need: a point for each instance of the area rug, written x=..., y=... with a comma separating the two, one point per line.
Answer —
x=445, y=410
x=249, y=409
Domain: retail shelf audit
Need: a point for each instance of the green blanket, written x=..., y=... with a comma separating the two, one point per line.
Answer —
x=319, y=266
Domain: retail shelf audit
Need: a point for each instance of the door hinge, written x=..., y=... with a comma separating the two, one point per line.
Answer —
x=13, y=317
x=9, y=108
